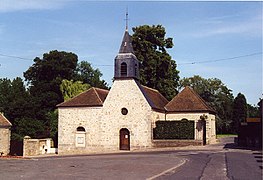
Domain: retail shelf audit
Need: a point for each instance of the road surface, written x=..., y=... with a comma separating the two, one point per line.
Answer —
x=220, y=161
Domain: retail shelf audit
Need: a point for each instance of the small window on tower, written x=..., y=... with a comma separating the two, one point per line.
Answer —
x=123, y=69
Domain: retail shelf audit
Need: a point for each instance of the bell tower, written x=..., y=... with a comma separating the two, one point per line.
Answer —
x=126, y=63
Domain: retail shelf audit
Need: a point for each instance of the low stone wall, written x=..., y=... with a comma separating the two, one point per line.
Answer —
x=176, y=143
x=35, y=147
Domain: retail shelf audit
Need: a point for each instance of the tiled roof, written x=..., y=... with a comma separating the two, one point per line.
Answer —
x=91, y=97
x=188, y=101
x=4, y=122
x=154, y=97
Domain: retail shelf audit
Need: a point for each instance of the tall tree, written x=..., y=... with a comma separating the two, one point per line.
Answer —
x=217, y=95
x=88, y=75
x=45, y=77
x=16, y=104
x=239, y=110
x=14, y=99
x=157, y=69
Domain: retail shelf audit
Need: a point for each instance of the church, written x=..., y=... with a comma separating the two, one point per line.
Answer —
x=125, y=117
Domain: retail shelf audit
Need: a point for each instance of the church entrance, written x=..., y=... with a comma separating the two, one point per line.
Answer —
x=124, y=139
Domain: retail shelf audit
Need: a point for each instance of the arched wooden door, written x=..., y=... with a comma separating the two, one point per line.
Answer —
x=124, y=139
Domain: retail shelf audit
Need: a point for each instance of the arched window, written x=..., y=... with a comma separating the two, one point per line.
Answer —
x=80, y=128
x=80, y=137
x=123, y=69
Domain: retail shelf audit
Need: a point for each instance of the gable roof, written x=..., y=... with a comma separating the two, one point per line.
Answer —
x=4, y=122
x=188, y=101
x=91, y=97
x=156, y=100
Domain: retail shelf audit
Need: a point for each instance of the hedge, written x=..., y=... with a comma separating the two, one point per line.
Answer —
x=174, y=130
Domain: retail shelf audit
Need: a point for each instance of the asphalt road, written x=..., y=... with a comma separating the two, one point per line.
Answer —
x=221, y=161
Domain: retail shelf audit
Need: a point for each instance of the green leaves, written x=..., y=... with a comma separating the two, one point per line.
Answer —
x=86, y=74
x=70, y=89
x=239, y=110
x=157, y=69
x=174, y=130
x=55, y=64
x=217, y=95
x=32, y=111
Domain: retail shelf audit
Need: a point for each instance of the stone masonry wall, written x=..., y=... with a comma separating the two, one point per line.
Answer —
x=72, y=118
x=103, y=124
x=126, y=94
x=5, y=134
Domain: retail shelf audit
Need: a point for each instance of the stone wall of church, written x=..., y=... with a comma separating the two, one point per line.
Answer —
x=5, y=134
x=103, y=124
x=126, y=94
x=72, y=141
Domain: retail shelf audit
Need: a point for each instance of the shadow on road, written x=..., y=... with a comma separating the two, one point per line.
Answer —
x=231, y=143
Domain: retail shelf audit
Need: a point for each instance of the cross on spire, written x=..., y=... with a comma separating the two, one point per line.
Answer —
x=126, y=19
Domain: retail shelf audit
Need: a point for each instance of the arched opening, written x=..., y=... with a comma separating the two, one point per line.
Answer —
x=80, y=137
x=124, y=139
x=80, y=128
x=123, y=69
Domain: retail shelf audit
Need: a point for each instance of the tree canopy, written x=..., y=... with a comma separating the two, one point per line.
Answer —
x=32, y=110
x=88, y=75
x=217, y=95
x=239, y=110
x=70, y=89
x=157, y=69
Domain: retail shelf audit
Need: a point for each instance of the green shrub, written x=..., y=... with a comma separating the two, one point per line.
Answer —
x=174, y=130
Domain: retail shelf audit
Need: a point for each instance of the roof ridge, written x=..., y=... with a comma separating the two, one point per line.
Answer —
x=202, y=100
x=101, y=89
x=158, y=103
x=150, y=88
x=179, y=104
x=97, y=94
x=74, y=97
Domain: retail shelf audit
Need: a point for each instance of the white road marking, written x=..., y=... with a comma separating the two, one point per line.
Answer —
x=168, y=170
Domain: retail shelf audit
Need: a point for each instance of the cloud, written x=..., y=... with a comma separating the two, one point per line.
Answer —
x=20, y=5
x=223, y=26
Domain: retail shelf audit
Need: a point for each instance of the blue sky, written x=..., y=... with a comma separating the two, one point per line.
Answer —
x=201, y=31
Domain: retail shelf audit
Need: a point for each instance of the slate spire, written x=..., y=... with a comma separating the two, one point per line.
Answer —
x=126, y=63
x=126, y=44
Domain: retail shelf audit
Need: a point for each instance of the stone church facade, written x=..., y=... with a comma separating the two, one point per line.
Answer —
x=123, y=118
